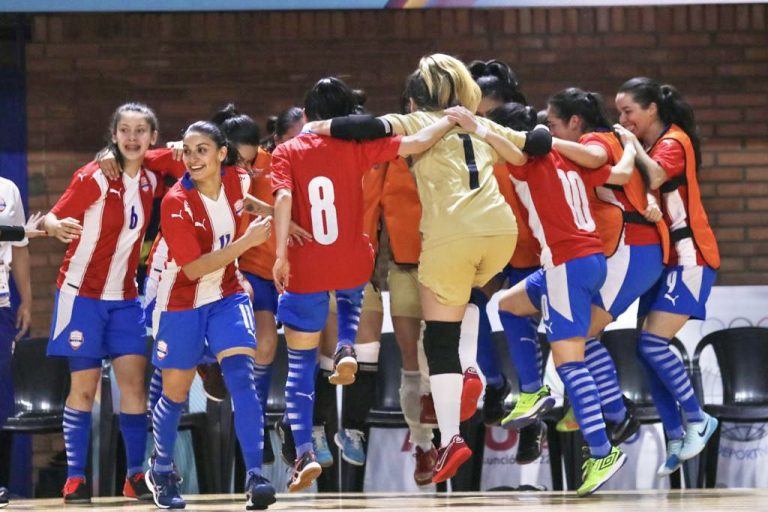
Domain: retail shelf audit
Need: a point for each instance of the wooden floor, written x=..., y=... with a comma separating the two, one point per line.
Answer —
x=699, y=500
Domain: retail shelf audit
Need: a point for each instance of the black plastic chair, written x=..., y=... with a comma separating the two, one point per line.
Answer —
x=112, y=461
x=41, y=385
x=742, y=355
x=622, y=345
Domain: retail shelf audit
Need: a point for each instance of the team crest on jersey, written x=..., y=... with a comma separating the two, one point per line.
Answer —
x=162, y=350
x=3, y=205
x=76, y=339
x=144, y=184
x=239, y=207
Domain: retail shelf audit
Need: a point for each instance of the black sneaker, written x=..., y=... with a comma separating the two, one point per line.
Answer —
x=305, y=470
x=269, y=453
x=493, y=404
x=259, y=493
x=344, y=366
x=136, y=487
x=76, y=490
x=213, y=381
x=620, y=432
x=287, y=445
x=530, y=442
x=5, y=497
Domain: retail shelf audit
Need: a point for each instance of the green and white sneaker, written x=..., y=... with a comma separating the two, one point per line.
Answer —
x=529, y=408
x=598, y=471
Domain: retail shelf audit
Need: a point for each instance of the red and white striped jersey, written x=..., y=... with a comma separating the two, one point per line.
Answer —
x=193, y=225
x=102, y=263
x=156, y=259
x=553, y=190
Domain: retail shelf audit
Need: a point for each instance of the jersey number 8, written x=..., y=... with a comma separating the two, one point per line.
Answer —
x=325, y=225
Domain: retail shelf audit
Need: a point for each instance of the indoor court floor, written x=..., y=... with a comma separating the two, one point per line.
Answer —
x=694, y=499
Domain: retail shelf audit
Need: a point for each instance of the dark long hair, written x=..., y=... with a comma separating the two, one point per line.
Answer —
x=149, y=116
x=589, y=106
x=671, y=106
x=214, y=133
x=497, y=81
x=514, y=115
x=328, y=98
x=278, y=125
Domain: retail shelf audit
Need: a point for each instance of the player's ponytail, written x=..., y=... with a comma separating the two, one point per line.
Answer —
x=588, y=106
x=514, y=115
x=237, y=128
x=497, y=81
x=280, y=125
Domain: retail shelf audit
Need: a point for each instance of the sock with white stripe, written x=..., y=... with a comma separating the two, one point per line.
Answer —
x=487, y=358
x=300, y=396
x=262, y=374
x=524, y=350
x=581, y=389
x=601, y=366
x=238, y=375
x=349, y=304
x=665, y=403
x=165, y=426
x=77, y=431
x=134, y=430
x=655, y=351
x=155, y=388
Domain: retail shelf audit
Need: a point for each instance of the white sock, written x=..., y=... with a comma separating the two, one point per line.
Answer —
x=424, y=385
x=325, y=363
x=446, y=393
x=470, y=326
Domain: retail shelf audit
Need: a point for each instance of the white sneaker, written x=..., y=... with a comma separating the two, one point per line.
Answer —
x=696, y=436
x=672, y=462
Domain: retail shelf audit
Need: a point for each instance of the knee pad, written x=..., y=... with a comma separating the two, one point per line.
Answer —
x=441, y=344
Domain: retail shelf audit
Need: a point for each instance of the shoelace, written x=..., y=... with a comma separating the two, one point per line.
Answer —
x=171, y=484
x=356, y=437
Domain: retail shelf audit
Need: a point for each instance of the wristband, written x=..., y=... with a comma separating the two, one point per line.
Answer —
x=481, y=131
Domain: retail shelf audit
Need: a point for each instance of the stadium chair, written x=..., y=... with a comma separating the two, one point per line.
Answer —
x=622, y=345
x=41, y=385
x=112, y=453
x=742, y=355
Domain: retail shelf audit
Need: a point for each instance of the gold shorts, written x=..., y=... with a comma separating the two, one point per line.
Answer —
x=404, y=297
x=452, y=269
x=371, y=300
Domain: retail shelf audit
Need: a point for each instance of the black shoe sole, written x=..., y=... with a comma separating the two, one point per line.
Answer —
x=260, y=501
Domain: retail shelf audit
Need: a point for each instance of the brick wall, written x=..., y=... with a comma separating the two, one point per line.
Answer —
x=80, y=67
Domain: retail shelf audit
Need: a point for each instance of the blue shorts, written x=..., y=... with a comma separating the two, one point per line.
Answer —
x=264, y=293
x=308, y=312
x=149, y=309
x=95, y=329
x=565, y=294
x=681, y=290
x=182, y=338
x=632, y=271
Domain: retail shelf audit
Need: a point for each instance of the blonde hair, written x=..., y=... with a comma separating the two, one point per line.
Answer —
x=447, y=82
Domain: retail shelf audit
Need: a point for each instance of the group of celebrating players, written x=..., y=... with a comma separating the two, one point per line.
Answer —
x=571, y=223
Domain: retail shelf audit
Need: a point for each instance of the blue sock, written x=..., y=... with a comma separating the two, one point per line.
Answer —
x=134, y=430
x=77, y=431
x=600, y=365
x=155, y=389
x=487, y=358
x=581, y=389
x=349, y=304
x=524, y=350
x=262, y=374
x=300, y=396
x=238, y=375
x=670, y=370
x=165, y=426
x=665, y=403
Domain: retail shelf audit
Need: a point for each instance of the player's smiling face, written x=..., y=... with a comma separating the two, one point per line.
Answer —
x=201, y=156
x=633, y=116
x=133, y=136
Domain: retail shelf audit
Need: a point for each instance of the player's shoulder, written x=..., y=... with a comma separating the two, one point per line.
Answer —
x=91, y=170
